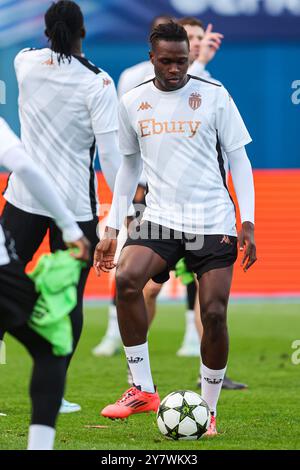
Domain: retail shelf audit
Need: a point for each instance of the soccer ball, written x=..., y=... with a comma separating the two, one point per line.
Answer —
x=183, y=415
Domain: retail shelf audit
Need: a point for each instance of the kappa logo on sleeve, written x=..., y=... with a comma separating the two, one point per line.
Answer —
x=106, y=82
x=48, y=62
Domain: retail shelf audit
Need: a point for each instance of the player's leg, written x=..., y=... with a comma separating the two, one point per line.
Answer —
x=111, y=342
x=148, y=253
x=190, y=344
x=137, y=264
x=56, y=243
x=197, y=318
x=26, y=233
x=212, y=258
x=46, y=387
x=17, y=299
x=227, y=384
x=214, y=287
x=151, y=292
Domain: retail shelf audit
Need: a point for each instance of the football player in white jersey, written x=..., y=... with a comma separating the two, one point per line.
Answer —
x=18, y=296
x=203, y=46
x=180, y=135
x=67, y=106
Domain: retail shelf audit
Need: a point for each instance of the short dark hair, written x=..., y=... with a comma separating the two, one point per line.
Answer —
x=64, y=21
x=191, y=21
x=168, y=32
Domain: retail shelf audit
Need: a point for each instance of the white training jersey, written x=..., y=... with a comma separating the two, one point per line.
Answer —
x=181, y=135
x=62, y=107
x=8, y=140
x=143, y=71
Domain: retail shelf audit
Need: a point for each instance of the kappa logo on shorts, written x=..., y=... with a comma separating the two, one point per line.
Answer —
x=144, y=106
x=195, y=101
x=226, y=240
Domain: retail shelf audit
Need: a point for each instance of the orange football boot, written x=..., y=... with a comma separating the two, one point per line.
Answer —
x=133, y=401
x=212, y=430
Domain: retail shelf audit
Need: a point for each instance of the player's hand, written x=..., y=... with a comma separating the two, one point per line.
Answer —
x=105, y=253
x=84, y=247
x=139, y=194
x=247, y=245
x=209, y=45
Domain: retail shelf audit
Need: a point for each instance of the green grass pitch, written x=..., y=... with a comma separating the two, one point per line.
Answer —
x=266, y=416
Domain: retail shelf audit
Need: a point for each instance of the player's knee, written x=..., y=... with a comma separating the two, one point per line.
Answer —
x=214, y=316
x=127, y=284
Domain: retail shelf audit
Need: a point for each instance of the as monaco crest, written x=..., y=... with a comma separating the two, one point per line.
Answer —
x=195, y=101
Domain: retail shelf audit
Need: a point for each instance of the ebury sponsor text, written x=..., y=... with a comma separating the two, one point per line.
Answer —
x=152, y=127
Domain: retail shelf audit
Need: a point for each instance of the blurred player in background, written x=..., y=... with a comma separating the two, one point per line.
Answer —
x=204, y=45
x=67, y=106
x=179, y=137
x=18, y=296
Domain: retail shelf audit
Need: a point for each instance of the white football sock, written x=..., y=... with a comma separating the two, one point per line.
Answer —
x=113, y=327
x=40, y=437
x=139, y=364
x=211, y=384
x=191, y=333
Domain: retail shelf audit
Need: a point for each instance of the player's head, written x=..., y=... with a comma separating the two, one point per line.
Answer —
x=170, y=55
x=64, y=28
x=195, y=31
x=160, y=19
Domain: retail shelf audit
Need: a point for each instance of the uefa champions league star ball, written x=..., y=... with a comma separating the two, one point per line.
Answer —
x=183, y=415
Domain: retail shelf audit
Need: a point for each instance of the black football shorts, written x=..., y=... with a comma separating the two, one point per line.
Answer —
x=202, y=253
